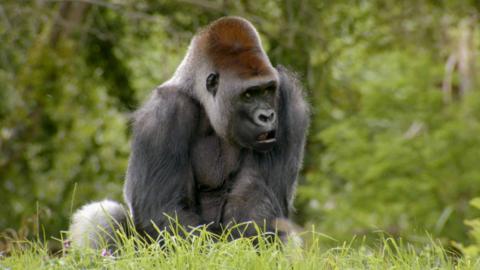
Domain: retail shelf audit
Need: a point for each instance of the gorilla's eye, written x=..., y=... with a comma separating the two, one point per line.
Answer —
x=249, y=94
x=212, y=83
x=269, y=90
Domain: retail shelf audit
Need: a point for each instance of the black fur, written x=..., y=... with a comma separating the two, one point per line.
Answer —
x=179, y=167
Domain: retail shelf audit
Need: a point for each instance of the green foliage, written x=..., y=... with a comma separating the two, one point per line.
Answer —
x=389, y=148
x=52, y=137
x=405, y=162
x=473, y=250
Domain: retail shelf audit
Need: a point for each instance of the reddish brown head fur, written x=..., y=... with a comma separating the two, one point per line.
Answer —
x=232, y=44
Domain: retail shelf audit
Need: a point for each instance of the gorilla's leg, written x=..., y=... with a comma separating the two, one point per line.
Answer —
x=250, y=200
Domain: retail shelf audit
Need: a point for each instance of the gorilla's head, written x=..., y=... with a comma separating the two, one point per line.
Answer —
x=236, y=84
x=247, y=108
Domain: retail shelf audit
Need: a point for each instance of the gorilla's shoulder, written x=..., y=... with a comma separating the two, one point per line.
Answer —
x=167, y=104
x=292, y=93
x=175, y=96
x=289, y=80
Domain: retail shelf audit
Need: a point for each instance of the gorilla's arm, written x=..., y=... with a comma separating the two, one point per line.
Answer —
x=265, y=186
x=281, y=166
x=159, y=177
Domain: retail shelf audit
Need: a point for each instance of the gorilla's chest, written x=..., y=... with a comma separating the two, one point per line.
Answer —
x=213, y=162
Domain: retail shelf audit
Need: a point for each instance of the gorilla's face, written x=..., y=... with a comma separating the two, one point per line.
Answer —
x=248, y=109
x=254, y=117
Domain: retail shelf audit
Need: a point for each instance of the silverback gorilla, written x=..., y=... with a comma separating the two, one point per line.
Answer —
x=219, y=143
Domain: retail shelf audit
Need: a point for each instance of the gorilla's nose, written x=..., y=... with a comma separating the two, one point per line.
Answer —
x=264, y=117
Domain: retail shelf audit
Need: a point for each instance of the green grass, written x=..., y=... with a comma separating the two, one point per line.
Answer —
x=202, y=251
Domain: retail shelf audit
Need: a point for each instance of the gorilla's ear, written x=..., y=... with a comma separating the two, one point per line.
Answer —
x=212, y=83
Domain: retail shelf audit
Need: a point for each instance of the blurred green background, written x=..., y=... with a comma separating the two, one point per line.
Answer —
x=394, y=144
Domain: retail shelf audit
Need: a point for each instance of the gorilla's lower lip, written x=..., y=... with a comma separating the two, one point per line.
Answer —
x=268, y=141
x=266, y=137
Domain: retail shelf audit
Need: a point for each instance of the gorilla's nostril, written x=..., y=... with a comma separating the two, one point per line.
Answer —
x=268, y=118
x=264, y=118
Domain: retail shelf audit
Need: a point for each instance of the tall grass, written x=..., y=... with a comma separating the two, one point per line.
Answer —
x=202, y=250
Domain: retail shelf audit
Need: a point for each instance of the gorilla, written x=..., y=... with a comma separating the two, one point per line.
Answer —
x=219, y=143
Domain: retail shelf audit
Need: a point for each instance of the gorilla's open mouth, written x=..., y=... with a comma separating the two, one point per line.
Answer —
x=266, y=137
